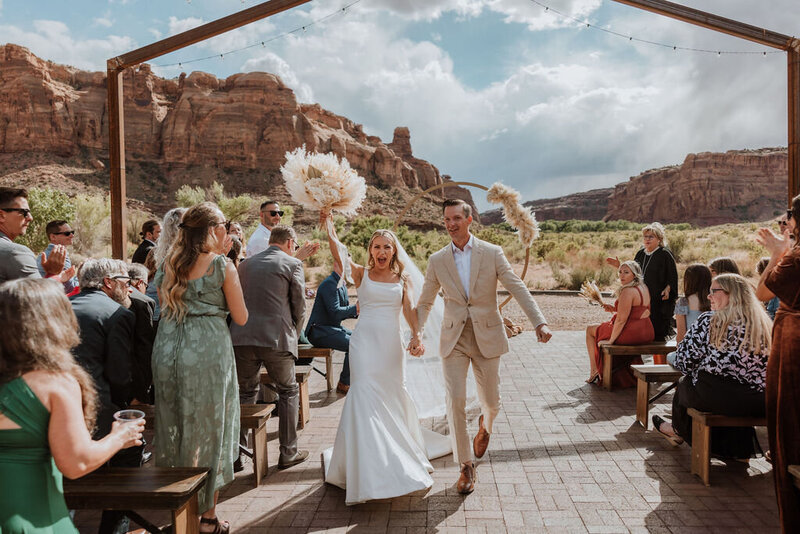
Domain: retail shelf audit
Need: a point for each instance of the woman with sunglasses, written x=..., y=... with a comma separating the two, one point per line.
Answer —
x=781, y=278
x=724, y=361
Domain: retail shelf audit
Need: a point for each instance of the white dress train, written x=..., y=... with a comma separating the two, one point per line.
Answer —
x=381, y=451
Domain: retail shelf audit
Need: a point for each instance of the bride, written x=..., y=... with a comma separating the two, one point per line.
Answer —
x=381, y=450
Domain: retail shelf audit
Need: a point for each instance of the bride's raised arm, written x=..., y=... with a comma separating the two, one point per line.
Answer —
x=357, y=271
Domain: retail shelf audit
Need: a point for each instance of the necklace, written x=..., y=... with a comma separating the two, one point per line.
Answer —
x=648, y=257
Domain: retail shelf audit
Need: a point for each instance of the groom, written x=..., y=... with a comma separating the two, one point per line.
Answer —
x=467, y=271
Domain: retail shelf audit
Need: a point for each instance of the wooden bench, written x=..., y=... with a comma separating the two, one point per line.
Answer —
x=151, y=488
x=310, y=351
x=301, y=375
x=252, y=417
x=702, y=422
x=612, y=351
x=645, y=375
x=794, y=471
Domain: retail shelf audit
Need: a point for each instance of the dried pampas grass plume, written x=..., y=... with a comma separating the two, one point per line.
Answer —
x=514, y=213
x=591, y=292
x=322, y=182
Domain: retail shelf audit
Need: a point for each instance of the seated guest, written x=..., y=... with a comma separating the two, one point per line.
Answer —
x=696, y=286
x=724, y=360
x=629, y=325
x=144, y=334
x=774, y=303
x=194, y=376
x=324, y=329
x=18, y=261
x=723, y=265
x=47, y=410
x=59, y=233
x=151, y=229
x=106, y=352
x=273, y=283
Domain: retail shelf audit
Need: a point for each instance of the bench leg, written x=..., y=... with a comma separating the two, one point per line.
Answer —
x=329, y=370
x=701, y=451
x=305, y=406
x=642, y=402
x=607, y=360
x=185, y=519
x=260, y=465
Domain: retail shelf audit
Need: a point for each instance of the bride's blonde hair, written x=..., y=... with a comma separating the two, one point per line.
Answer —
x=395, y=265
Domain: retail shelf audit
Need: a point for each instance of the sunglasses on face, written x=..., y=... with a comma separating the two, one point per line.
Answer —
x=273, y=213
x=69, y=233
x=22, y=211
x=783, y=223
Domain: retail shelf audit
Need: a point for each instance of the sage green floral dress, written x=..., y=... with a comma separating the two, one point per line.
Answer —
x=197, y=396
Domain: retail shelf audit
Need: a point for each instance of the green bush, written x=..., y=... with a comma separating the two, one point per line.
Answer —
x=46, y=205
x=188, y=196
x=92, y=225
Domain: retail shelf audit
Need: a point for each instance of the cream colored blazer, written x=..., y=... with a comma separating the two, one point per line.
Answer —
x=488, y=264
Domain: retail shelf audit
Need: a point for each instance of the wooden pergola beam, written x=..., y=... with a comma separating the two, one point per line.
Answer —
x=758, y=35
x=116, y=125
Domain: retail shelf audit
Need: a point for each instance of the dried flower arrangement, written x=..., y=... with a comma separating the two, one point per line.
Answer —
x=591, y=292
x=514, y=213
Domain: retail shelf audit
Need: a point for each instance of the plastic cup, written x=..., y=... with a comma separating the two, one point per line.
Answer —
x=129, y=416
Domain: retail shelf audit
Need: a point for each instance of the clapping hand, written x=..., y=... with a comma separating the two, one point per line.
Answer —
x=307, y=250
x=54, y=263
x=66, y=275
x=775, y=244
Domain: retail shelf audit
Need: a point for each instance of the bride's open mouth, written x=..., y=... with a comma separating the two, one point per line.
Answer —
x=381, y=261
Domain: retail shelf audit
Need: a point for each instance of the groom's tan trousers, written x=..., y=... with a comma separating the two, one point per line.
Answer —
x=455, y=366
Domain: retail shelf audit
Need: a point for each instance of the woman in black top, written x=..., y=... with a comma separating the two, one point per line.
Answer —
x=660, y=276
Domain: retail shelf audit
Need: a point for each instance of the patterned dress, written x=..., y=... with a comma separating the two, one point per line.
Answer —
x=194, y=374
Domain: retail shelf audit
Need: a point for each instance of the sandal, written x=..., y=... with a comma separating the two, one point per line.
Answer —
x=594, y=378
x=657, y=422
x=219, y=527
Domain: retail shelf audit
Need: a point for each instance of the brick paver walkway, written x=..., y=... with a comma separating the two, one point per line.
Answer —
x=564, y=457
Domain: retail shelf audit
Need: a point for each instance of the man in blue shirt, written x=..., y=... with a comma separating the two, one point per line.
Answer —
x=324, y=329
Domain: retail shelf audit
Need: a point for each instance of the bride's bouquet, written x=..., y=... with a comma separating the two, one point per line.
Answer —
x=322, y=182
x=591, y=292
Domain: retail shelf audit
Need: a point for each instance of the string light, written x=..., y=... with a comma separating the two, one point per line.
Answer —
x=654, y=43
x=263, y=43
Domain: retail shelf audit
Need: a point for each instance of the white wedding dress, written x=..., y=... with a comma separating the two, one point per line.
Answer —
x=381, y=450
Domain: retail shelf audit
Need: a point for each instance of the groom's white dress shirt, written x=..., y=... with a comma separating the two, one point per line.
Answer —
x=463, y=259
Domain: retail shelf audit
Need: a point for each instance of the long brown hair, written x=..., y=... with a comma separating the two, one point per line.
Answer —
x=193, y=239
x=743, y=307
x=41, y=330
x=697, y=281
x=395, y=265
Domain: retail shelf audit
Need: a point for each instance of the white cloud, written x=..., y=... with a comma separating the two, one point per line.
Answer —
x=102, y=21
x=272, y=63
x=155, y=33
x=177, y=25
x=53, y=40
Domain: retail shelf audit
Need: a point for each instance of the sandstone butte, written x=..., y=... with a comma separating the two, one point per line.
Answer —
x=193, y=129
x=706, y=189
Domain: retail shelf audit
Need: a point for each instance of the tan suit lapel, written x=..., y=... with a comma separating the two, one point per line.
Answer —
x=474, y=264
x=450, y=265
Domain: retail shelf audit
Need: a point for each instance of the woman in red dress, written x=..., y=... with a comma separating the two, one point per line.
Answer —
x=630, y=325
x=781, y=278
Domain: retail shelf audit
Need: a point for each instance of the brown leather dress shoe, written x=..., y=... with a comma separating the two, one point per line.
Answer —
x=342, y=388
x=481, y=441
x=466, y=482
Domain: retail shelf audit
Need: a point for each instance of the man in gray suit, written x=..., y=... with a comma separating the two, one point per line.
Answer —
x=18, y=261
x=273, y=283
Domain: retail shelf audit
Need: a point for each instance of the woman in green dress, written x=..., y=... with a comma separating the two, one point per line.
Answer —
x=194, y=371
x=47, y=410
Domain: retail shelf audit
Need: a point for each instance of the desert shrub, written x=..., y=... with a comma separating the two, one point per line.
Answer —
x=677, y=244
x=46, y=205
x=92, y=225
x=188, y=196
x=241, y=208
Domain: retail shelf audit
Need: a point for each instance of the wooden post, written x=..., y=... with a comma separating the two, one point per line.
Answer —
x=793, y=56
x=116, y=158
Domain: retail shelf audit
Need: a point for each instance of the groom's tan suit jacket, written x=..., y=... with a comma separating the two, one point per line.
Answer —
x=488, y=264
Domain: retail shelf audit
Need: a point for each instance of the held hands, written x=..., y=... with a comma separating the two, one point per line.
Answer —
x=129, y=434
x=54, y=264
x=543, y=333
x=415, y=347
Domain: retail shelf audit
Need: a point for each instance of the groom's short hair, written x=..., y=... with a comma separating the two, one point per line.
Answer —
x=281, y=234
x=458, y=202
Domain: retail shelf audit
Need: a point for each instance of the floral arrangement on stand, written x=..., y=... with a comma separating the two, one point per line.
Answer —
x=515, y=213
x=323, y=182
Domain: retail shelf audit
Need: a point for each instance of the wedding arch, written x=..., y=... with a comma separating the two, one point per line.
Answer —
x=116, y=67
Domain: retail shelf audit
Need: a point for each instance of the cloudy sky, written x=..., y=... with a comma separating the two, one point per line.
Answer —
x=490, y=89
